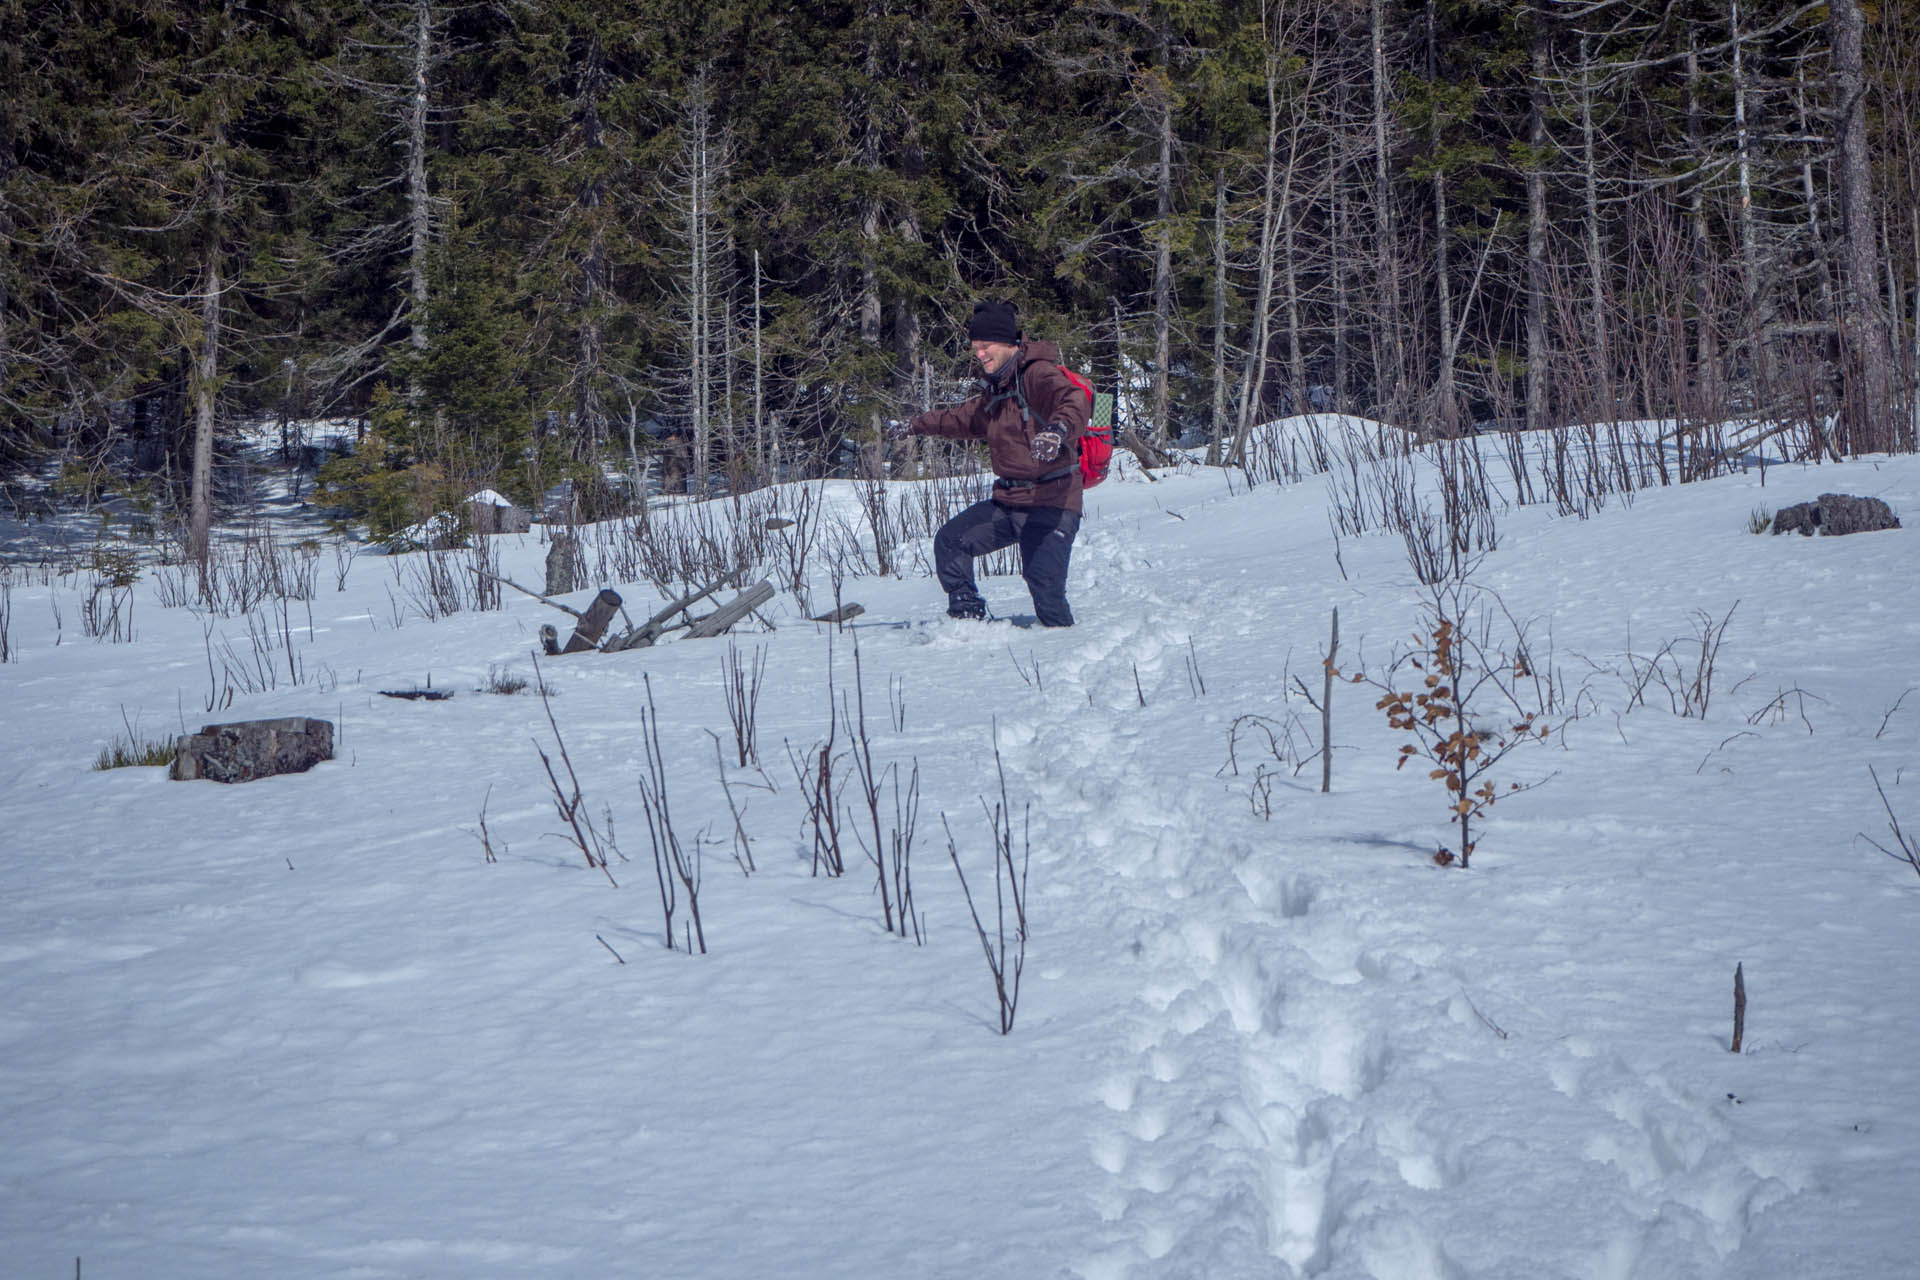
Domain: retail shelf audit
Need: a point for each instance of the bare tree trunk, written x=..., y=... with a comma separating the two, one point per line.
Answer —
x=1707, y=358
x=1163, y=254
x=1597, y=335
x=699, y=285
x=7, y=165
x=1290, y=276
x=868, y=308
x=590, y=425
x=1218, y=427
x=1758, y=370
x=867, y=313
x=762, y=458
x=729, y=434
x=1252, y=384
x=1810, y=192
x=1537, y=279
x=206, y=376
x=1445, y=403
x=1342, y=343
x=1913, y=379
x=206, y=365
x=908, y=339
x=419, y=213
x=1867, y=411
x=1389, y=376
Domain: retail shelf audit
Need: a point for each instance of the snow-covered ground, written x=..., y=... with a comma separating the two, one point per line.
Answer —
x=303, y=1027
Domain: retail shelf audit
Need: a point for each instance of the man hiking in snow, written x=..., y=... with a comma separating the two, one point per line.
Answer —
x=1031, y=417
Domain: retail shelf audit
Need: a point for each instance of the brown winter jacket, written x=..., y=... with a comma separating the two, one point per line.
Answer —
x=995, y=416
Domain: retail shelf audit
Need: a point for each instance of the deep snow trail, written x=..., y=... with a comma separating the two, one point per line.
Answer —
x=1304, y=1075
x=1237, y=1081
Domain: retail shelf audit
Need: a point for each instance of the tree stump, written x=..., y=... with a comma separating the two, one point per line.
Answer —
x=593, y=623
x=563, y=564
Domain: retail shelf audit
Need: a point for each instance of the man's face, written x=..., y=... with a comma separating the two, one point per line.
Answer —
x=992, y=355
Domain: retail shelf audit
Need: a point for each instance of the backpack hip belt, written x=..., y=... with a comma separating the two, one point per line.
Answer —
x=1059, y=474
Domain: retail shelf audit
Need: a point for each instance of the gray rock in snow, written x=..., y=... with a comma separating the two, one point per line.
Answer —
x=250, y=749
x=1835, y=514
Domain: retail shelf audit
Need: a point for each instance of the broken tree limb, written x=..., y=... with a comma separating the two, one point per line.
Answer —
x=842, y=614
x=550, y=603
x=1739, y=1007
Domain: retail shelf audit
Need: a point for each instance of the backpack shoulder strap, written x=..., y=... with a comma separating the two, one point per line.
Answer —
x=1020, y=392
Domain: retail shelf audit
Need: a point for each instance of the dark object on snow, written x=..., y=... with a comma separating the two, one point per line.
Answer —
x=844, y=613
x=1835, y=514
x=420, y=695
x=250, y=749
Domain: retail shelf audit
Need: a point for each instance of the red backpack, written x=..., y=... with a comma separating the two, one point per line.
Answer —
x=1096, y=442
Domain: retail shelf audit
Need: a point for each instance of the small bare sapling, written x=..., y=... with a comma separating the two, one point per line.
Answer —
x=742, y=843
x=582, y=832
x=675, y=867
x=1905, y=848
x=484, y=836
x=1279, y=747
x=888, y=843
x=816, y=771
x=742, y=682
x=1005, y=944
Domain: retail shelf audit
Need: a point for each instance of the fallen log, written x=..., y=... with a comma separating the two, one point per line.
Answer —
x=594, y=622
x=728, y=614
x=662, y=622
x=551, y=604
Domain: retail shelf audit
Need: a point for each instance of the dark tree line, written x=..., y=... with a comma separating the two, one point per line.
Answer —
x=525, y=241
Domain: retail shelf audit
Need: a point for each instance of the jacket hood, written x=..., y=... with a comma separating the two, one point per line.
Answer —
x=1039, y=349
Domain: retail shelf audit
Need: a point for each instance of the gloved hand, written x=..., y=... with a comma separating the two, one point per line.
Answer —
x=898, y=429
x=1047, y=445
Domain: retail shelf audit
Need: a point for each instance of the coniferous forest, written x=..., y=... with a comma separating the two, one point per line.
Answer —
x=523, y=241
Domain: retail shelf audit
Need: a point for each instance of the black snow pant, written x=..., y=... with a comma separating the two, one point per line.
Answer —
x=1045, y=537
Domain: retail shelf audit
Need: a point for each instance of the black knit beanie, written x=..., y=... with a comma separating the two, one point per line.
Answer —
x=993, y=322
